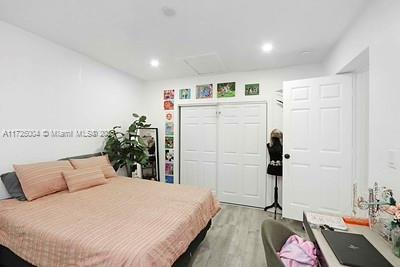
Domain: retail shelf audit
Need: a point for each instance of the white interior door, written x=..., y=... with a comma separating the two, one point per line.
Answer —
x=317, y=121
x=199, y=146
x=242, y=154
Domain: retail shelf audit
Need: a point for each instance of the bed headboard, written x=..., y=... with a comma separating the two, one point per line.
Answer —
x=4, y=194
x=84, y=156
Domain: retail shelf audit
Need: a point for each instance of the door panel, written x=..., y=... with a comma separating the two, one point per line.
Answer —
x=242, y=157
x=318, y=133
x=239, y=133
x=199, y=146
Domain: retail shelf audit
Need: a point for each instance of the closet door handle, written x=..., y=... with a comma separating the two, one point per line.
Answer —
x=287, y=156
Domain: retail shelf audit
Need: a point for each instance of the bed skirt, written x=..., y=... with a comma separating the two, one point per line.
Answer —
x=9, y=259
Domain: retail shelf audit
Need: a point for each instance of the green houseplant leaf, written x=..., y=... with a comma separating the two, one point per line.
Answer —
x=127, y=149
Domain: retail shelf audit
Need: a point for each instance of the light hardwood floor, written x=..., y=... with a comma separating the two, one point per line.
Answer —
x=235, y=239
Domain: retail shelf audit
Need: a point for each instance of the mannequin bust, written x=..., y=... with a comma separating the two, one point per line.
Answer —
x=275, y=150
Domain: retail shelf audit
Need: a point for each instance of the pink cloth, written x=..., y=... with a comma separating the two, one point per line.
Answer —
x=297, y=252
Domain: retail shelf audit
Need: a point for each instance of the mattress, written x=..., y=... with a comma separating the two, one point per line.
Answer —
x=126, y=222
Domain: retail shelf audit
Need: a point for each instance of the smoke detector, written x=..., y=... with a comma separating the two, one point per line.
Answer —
x=168, y=11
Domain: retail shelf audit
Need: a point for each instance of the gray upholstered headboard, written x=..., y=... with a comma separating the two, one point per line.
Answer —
x=84, y=156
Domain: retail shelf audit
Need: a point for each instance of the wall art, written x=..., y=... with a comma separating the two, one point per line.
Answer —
x=226, y=89
x=252, y=89
x=204, y=91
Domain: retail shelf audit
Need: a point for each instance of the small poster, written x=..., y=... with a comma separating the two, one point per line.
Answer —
x=169, y=94
x=169, y=155
x=169, y=105
x=185, y=93
x=204, y=91
x=252, y=89
x=169, y=142
x=169, y=116
x=169, y=169
x=169, y=179
x=169, y=128
x=226, y=89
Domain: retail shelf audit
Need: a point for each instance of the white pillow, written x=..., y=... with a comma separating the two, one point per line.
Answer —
x=3, y=192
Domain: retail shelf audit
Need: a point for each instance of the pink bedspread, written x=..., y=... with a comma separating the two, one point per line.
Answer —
x=122, y=223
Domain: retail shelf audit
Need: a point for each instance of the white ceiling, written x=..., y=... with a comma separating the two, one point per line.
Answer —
x=127, y=34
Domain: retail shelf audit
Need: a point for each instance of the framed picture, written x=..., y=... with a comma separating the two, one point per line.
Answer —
x=252, y=89
x=169, y=94
x=204, y=91
x=150, y=170
x=226, y=89
x=169, y=179
x=169, y=142
x=168, y=104
x=169, y=128
x=185, y=93
x=169, y=116
x=169, y=169
x=169, y=155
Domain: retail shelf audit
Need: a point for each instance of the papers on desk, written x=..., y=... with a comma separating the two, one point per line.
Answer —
x=317, y=219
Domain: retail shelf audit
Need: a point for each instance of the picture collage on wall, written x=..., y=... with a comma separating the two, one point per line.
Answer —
x=202, y=91
x=169, y=97
x=227, y=89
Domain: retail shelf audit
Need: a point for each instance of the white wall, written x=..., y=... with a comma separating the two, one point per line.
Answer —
x=46, y=86
x=378, y=29
x=269, y=80
x=361, y=128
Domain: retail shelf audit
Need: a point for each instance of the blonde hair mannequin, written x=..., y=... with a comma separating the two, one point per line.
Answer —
x=276, y=134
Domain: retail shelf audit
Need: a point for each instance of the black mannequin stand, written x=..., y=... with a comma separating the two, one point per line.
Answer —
x=275, y=204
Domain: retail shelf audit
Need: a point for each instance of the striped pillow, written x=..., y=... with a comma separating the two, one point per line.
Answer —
x=84, y=178
x=41, y=179
x=101, y=162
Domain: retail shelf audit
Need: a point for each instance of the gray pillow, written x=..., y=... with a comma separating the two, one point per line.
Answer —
x=13, y=186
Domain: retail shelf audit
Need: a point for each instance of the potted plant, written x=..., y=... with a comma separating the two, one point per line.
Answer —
x=127, y=148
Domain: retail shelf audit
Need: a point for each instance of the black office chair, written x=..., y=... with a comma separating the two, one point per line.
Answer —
x=274, y=235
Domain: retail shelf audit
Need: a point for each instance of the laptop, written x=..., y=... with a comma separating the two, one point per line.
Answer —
x=354, y=250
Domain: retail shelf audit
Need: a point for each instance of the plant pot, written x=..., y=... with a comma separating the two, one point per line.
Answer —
x=131, y=170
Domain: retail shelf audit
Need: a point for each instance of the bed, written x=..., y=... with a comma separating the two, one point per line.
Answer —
x=125, y=222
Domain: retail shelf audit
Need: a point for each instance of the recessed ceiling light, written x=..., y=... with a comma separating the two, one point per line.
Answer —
x=267, y=47
x=155, y=63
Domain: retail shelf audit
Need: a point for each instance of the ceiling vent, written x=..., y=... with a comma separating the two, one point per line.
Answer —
x=205, y=64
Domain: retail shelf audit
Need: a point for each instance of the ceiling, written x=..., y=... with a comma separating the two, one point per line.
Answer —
x=204, y=36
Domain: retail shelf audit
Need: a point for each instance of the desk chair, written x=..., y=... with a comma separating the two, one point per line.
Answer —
x=274, y=235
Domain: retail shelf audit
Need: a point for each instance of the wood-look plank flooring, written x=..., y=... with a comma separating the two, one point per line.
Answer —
x=234, y=240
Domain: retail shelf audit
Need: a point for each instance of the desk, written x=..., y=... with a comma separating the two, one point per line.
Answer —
x=330, y=259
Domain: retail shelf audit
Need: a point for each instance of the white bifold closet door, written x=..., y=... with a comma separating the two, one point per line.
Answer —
x=223, y=148
x=199, y=146
x=242, y=154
